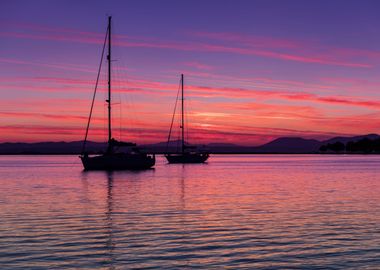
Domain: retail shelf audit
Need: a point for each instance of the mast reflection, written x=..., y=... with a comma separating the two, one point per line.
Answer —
x=110, y=245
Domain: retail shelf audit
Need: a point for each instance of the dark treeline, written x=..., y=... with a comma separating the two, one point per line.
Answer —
x=365, y=145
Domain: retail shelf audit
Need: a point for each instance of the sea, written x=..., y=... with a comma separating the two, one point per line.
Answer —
x=234, y=212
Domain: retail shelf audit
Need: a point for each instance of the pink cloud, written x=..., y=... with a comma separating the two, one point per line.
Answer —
x=198, y=65
x=350, y=101
x=294, y=50
x=249, y=40
x=285, y=56
x=165, y=89
x=72, y=67
x=252, y=46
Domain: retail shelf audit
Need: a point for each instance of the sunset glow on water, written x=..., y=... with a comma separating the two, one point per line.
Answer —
x=236, y=212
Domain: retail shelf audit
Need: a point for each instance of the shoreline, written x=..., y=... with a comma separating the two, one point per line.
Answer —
x=219, y=153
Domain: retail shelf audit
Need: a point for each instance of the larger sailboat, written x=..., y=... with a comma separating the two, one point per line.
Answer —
x=113, y=158
x=188, y=154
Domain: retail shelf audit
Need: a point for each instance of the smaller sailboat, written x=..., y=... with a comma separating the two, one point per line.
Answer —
x=188, y=154
x=113, y=158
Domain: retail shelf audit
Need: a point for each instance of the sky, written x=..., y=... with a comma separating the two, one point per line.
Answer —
x=254, y=70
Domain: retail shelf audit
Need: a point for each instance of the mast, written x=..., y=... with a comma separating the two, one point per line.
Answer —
x=94, y=95
x=183, y=119
x=109, y=83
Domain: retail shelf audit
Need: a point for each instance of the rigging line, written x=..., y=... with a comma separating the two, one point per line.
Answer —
x=187, y=120
x=116, y=83
x=104, y=120
x=105, y=105
x=96, y=87
x=179, y=134
x=171, y=125
x=128, y=98
x=121, y=115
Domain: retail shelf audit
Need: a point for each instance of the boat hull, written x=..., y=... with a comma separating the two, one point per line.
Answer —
x=118, y=162
x=187, y=158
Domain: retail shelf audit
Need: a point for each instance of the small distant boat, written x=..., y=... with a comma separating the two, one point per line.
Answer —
x=188, y=154
x=113, y=159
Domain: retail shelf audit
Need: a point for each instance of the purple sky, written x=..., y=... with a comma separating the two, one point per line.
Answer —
x=254, y=70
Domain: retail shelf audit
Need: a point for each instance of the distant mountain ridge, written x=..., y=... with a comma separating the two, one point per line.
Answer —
x=49, y=147
x=355, y=138
x=290, y=145
x=282, y=145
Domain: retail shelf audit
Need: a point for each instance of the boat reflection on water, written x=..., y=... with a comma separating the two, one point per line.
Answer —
x=110, y=245
x=108, y=225
x=117, y=210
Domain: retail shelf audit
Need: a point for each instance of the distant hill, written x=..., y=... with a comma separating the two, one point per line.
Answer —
x=284, y=145
x=354, y=139
x=290, y=145
x=49, y=147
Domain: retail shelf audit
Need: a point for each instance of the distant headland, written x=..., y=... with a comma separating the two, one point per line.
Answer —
x=364, y=144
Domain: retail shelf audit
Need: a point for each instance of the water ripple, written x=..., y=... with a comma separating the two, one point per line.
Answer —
x=240, y=212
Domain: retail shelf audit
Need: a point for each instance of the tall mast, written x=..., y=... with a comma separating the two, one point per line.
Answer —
x=109, y=80
x=183, y=119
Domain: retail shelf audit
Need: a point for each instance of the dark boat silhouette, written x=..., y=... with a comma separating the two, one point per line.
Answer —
x=188, y=154
x=113, y=159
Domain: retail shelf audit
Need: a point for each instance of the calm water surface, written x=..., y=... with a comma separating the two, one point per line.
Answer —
x=236, y=212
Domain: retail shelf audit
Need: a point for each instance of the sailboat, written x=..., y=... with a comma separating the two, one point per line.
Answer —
x=188, y=154
x=113, y=158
